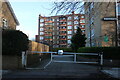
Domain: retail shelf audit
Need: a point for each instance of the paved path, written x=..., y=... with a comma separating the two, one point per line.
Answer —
x=59, y=70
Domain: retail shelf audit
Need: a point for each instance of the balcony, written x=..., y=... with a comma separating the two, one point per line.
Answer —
x=48, y=21
x=62, y=43
x=48, y=34
x=63, y=39
x=48, y=39
x=63, y=25
x=63, y=34
x=63, y=29
x=63, y=20
x=82, y=23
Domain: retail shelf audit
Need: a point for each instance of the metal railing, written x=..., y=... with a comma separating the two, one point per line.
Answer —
x=53, y=54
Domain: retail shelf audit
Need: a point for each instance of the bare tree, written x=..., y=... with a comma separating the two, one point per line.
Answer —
x=67, y=6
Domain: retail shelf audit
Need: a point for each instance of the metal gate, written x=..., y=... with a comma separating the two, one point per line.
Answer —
x=65, y=54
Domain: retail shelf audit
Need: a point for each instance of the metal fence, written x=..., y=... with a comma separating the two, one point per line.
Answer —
x=65, y=54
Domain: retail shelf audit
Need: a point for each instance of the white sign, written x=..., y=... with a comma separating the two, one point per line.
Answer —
x=109, y=19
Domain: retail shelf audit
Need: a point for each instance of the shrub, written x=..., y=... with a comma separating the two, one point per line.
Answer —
x=14, y=42
x=108, y=52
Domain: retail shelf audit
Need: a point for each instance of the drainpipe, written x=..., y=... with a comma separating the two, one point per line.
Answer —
x=117, y=24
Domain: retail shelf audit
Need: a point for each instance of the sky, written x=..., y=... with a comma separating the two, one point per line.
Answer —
x=27, y=14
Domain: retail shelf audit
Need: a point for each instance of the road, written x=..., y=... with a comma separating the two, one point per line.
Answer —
x=60, y=71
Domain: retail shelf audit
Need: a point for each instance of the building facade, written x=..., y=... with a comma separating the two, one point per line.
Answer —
x=101, y=24
x=8, y=19
x=57, y=31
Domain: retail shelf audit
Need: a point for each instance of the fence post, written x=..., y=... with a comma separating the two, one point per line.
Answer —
x=101, y=60
x=74, y=57
x=24, y=59
x=51, y=56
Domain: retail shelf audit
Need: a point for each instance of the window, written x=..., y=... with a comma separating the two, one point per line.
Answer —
x=69, y=18
x=75, y=22
x=41, y=33
x=69, y=32
x=57, y=19
x=53, y=19
x=41, y=38
x=75, y=27
x=62, y=36
x=91, y=5
x=75, y=31
x=69, y=41
x=83, y=31
x=41, y=24
x=41, y=20
x=62, y=32
x=62, y=27
x=69, y=27
x=83, y=26
x=41, y=29
x=69, y=36
x=57, y=23
x=5, y=23
x=76, y=17
x=92, y=32
x=69, y=23
x=119, y=9
x=91, y=20
x=82, y=21
x=82, y=17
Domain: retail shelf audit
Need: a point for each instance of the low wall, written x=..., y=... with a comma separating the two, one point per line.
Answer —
x=33, y=58
x=11, y=62
x=15, y=62
x=34, y=46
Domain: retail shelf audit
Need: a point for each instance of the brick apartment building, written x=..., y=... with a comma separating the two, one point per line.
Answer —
x=57, y=31
x=101, y=32
x=7, y=16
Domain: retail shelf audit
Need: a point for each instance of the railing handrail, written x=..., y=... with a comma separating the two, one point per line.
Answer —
x=66, y=53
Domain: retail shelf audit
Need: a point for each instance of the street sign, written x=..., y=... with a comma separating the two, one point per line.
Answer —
x=106, y=39
x=109, y=19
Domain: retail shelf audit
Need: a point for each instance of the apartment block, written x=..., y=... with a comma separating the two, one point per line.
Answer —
x=8, y=18
x=57, y=31
x=101, y=24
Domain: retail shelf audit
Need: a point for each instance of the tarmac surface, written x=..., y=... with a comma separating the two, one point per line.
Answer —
x=55, y=70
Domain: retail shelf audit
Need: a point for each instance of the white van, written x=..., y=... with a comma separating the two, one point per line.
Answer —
x=60, y=52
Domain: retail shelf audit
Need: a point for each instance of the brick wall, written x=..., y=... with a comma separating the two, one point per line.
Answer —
x=15, y=62
x=11, y=62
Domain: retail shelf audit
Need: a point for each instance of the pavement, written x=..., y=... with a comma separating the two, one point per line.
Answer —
x=113, y=72
x=60, y=71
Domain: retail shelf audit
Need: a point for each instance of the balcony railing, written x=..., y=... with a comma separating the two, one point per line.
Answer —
x=63, y=33
x=63, y=24
x=63, y=39
x=63, y=29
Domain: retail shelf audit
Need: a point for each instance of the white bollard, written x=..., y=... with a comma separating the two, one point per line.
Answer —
x=101, y=60
x=24, y=59
x=74, y=57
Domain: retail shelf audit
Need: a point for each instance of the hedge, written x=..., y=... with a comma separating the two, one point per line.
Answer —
x=108, y=52
x=14, y=42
